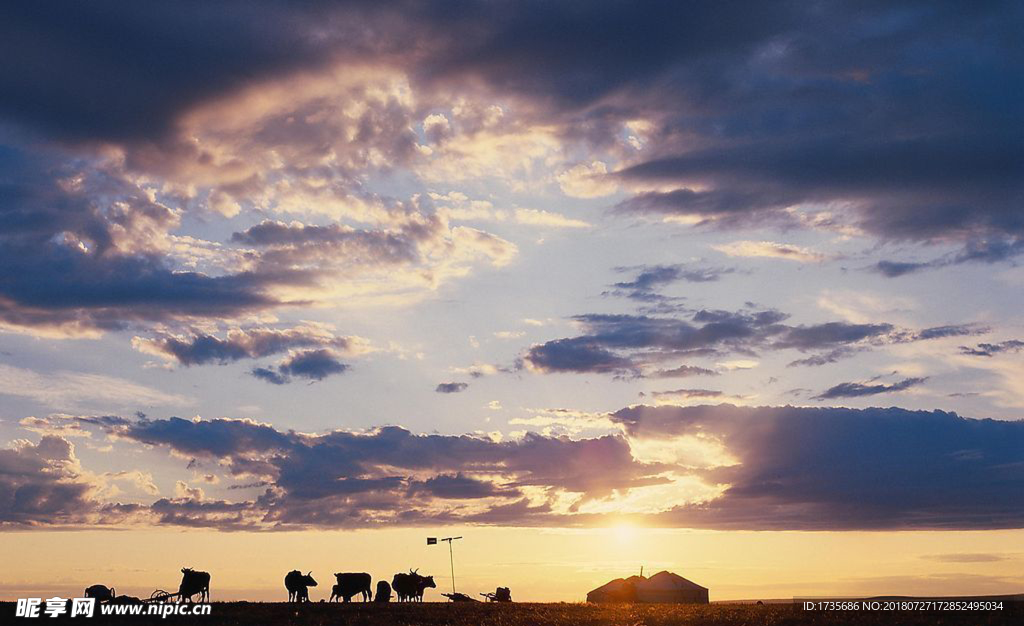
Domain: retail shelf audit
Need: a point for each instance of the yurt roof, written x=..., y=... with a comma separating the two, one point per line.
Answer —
x=668, y=580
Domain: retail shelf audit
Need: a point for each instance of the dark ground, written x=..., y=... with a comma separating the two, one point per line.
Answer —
x=524, y=614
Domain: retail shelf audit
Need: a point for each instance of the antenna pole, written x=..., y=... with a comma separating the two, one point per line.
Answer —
x=451, y=558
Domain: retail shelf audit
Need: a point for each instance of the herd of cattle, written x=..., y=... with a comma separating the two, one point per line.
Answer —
x=407, y=587
x=196, y=584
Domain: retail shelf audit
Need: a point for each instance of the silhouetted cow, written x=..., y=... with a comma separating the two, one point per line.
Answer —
x=383, y=592
x=410, y=587
x=194, y=582
x=349, y=584
x=101, y=593
x=298, y=585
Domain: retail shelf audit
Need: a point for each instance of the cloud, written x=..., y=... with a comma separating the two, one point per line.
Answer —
x=770, y=249
x=37, y=482
x=721, y=467
x=459, y=487
x=456, y=205
x=991, y=349
x=64, y=390
x=650, y=279
x=537, y=217
x=313, y=365
x=832, y=356
x=270, y=375
x=747, y=116
x=587, y=180
x=987, y=250
x=683, y=371
x=855, y=390
x=578, y=354
x=245, y=343
x=640, y=345
x=451, y=387
x=840, y=469
x=387, y=475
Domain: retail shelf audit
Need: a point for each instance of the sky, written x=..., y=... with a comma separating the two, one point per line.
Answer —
x=730, y=289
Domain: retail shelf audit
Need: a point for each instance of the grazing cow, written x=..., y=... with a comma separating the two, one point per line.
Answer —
x=298, y=585
x=101, y=593
x=194, y=582
x=350, y=584
x=404, y=586
x=410, y=587
x=422, y=584
x=383, y=592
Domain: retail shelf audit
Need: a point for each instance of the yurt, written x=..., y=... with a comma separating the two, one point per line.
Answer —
x=663, y=587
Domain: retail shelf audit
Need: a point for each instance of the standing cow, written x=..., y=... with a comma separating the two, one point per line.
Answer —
x=350, y=584
x=101, y=593
x=194, y=582
x=410, y=587
x=383, y=592
x=298, y=585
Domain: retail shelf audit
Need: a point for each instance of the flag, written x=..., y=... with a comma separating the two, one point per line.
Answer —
x=431, y=541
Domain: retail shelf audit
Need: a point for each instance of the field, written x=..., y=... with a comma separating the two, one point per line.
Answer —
x=525, y=614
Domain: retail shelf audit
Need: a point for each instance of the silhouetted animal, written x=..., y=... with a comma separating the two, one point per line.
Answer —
x=349, y=584
x=101, y=593
x=193, y=582
x=298, y=585
x=126, y=600
x=410, y=587
x=383, y=592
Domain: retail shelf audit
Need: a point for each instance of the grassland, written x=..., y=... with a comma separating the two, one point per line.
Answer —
x=525, y=614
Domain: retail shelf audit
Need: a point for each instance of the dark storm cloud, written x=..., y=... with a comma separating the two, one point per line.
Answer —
x=991, y=349
x=856, y=390
x=836, y=469
x=451, y=387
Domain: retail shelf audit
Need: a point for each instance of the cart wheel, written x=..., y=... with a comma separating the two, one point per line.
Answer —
x=158, y=594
